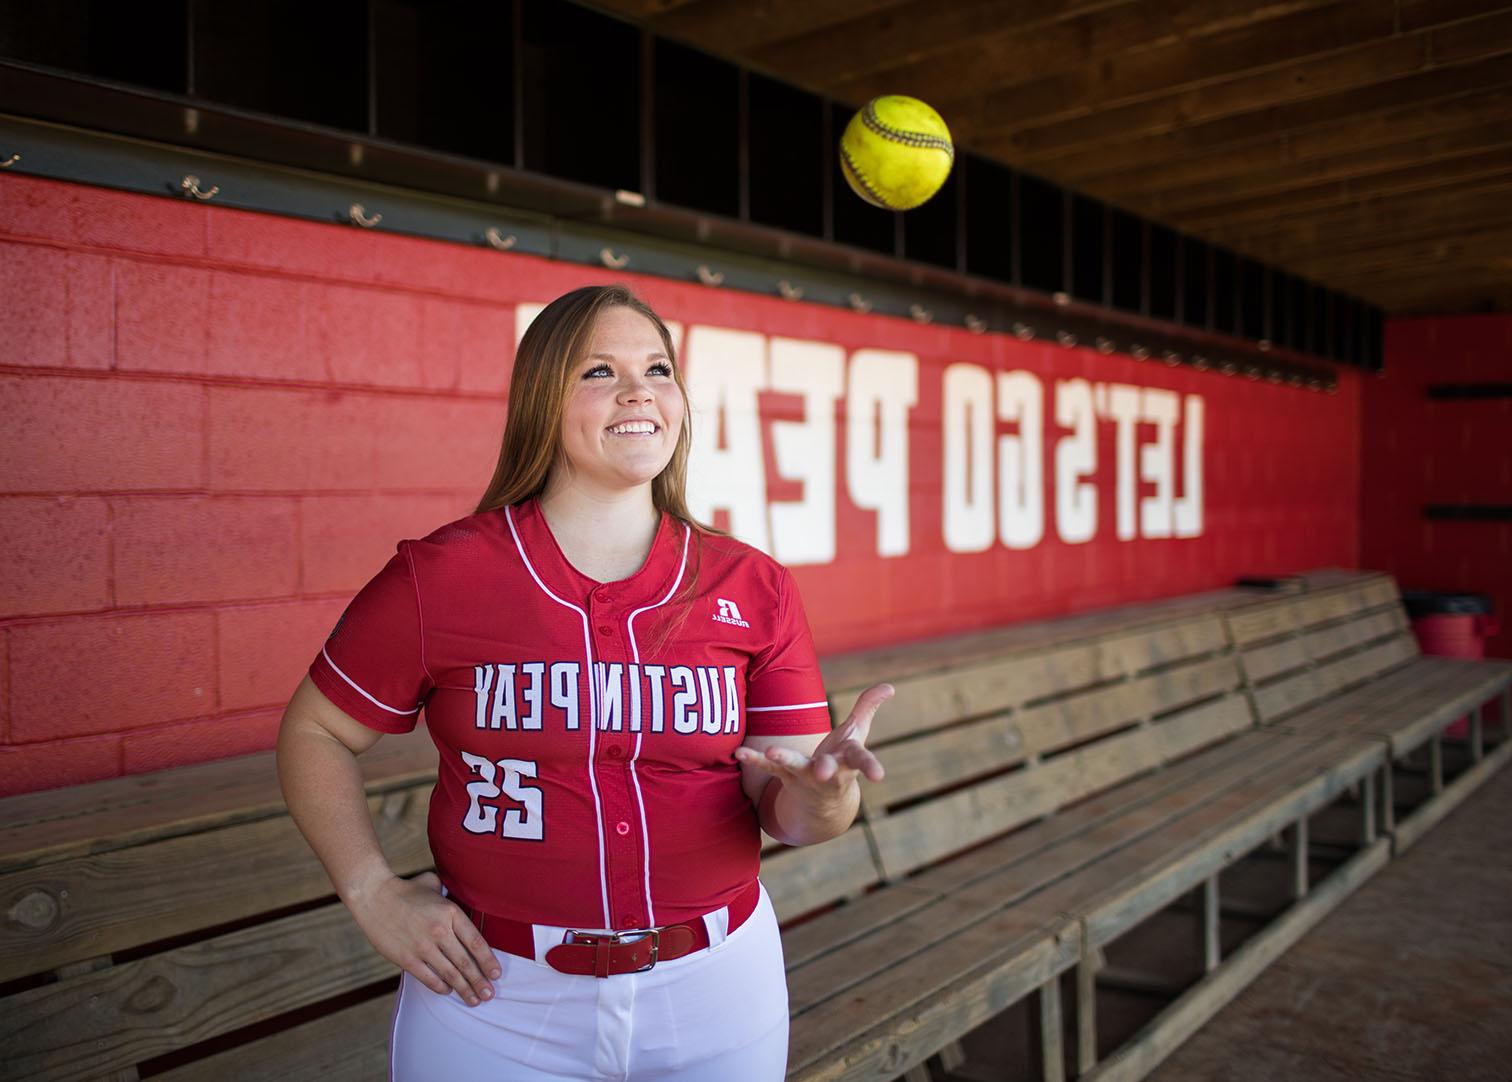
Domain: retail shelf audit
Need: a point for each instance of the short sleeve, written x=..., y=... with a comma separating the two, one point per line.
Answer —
x=372, y=665
x=784, y=691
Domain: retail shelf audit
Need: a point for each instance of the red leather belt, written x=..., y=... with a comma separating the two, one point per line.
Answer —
x=605, y=954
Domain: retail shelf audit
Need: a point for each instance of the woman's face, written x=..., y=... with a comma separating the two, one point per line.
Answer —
x=624, y=411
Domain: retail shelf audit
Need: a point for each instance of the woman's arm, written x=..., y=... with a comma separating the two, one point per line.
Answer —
x=406, y=920
x=807, y=788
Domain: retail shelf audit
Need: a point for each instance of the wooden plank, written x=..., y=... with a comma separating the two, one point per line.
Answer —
x=1211, y=953
x=1054, y=725
x=104, y=1021
x=1175, y=1024
x=1301, y=868
x=803, y=879
x=921, y=764
x=1178, y=68
x=123, y=898
x=852, y=921
x=929, y=831
x=1143, y=878
x=1047, y=1010
x=1262, y=622
x=350, y=1045
x=1367, y=627
x=1022, y=863
x=988, y=971
x=1262, y=663
x=914, y=935
x=1417, y=135
x=59, y=823
x=1086, y=1014
x=1136, y=805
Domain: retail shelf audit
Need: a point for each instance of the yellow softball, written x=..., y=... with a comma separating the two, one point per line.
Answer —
x=896, y=152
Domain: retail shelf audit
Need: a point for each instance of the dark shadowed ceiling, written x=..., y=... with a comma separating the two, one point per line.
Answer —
x=1364, y=144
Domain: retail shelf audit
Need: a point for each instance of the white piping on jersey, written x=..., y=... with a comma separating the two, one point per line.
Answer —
x=635, y=777
x=365, y=695
x=790, y=706
x=593, y=712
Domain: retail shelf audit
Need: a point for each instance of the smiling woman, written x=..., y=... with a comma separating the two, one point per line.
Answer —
x=622, y=700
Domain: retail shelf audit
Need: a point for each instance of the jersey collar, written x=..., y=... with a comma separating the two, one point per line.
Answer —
x=663, y=565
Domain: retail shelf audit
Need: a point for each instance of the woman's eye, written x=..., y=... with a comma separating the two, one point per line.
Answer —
x=597, y=370
x=661, y=368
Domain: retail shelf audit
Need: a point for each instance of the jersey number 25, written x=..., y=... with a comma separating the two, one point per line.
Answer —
x=503, y=778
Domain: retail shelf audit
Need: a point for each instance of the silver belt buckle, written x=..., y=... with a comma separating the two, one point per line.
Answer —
x=617, y=939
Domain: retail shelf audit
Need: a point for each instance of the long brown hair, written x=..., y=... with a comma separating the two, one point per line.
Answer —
x=549, y=352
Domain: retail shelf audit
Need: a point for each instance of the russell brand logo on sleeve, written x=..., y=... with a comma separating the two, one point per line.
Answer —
x=729, y=614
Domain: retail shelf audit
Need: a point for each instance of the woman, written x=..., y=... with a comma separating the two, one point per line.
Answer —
x=619, y=696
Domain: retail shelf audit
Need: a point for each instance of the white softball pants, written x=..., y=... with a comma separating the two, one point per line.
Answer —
x=717, y=1015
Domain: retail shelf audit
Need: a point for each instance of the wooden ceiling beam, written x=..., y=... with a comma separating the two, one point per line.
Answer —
x=1359, y=167
x=997, y=50
x=1483, y=243
x=1303, y=56
x=1402, y=215
x=847, y=57
x=1310, y=248
x=739, y=27
x=1494, y=164
x=1371, y=133
x=1362, y=78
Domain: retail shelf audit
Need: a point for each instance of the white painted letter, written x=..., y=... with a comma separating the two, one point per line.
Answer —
x=1075, y=457
x=724, y=370
x=883, y=387
x=804, y=532
x=1123, y=408
x=1189, y=506
x=1157, y=461
x=1021, y=472
x=968, y=429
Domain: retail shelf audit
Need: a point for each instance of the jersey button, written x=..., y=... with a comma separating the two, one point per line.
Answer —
x=616, y=752
x=605, y=629
x=622, y=828
x=602, y=595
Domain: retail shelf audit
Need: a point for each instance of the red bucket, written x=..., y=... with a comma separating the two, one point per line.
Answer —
x=1451, y=625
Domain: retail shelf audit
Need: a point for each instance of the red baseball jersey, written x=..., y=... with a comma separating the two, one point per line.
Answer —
x=586, y=730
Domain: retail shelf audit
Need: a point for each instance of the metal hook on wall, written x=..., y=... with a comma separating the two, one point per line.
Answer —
x=920, y=313
x=358, y=216
x=612, y=261
x=709, y=277
x=859, y=303
x=496, y=238
x=1066, y=338
x=975, y=324
x=789, y=291
x=1023, y=332
x=10, y=161
x=190, y=186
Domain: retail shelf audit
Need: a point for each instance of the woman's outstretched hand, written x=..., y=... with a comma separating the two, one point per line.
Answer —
x=412, y=925
x=820, y=790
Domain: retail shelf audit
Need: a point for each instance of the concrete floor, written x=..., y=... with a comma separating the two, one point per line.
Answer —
x=1411, y=978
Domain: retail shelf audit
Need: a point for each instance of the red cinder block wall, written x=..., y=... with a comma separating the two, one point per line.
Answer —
x=1417, y=451
x=218, y=423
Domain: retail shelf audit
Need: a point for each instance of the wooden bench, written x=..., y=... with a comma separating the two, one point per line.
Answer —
x=1050, y=788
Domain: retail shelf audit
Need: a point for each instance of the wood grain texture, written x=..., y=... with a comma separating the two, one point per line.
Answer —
x=36, y=828
x=123, y=898
x=83, y=1027
x=350, y=1045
